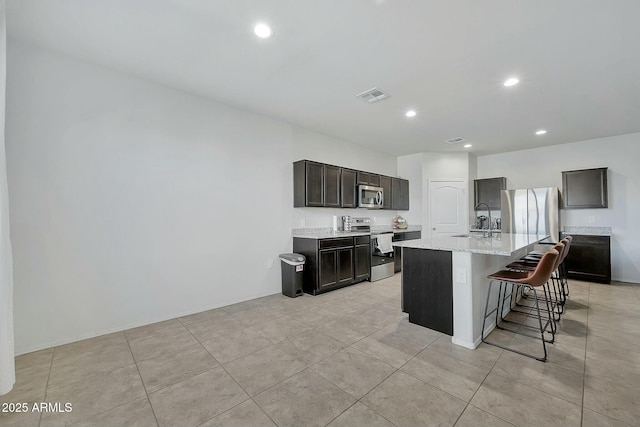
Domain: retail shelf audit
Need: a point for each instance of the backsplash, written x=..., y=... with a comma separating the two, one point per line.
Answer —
x=323, y=217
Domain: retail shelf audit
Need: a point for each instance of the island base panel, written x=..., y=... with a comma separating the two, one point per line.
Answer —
x=427, y=288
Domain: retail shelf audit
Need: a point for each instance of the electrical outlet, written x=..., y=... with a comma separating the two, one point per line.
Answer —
x=591, y=219
x=270, y=263
x=302, y=223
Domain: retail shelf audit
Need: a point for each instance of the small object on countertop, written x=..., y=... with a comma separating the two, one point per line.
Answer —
x=335, y=224
x=399, y=222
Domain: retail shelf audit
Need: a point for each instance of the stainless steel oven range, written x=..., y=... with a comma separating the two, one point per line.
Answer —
x=382, y=262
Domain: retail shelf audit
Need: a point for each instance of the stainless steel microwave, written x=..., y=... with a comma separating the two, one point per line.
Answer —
x=370, y=197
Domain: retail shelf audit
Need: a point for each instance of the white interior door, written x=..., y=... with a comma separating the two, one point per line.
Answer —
x=448, y=207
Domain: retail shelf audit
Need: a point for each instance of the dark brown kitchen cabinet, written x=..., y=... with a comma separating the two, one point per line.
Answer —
x=585, y=189
x=488, y=191
x=316, y=185
x=397, y=253
x=399, y=194
x=308, y=184
x=331, y=186
x=327, y=268
x=348, y=197
x=336, y=267
x=321, y=185
x=368, y=178
x=385, y=184
x=589, y=258
x=362, y=258
x=333, y=262
x=345, y=266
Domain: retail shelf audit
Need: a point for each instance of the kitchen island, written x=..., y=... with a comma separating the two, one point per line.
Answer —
x=444, y=280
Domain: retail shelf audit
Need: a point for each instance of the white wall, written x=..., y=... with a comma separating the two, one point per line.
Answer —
x=132, y=202
x=321, y=148
x=542, y=167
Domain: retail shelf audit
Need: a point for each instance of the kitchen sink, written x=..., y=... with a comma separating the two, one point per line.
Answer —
x=471, y=235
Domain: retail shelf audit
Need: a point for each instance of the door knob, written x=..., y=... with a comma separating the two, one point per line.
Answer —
x=434, y=229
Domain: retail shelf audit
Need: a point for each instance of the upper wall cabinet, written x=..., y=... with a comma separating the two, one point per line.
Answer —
x=332, y=186
x=585, y=189
x=399, y=194
x=367, y=178
x=349, y=194
x=320, y=185
x=488, y=191
x=308, y=184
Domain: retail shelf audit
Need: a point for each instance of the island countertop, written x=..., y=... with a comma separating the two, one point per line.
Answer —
x=502, y=244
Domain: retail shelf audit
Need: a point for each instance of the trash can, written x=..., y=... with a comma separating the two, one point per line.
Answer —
x=292, y=274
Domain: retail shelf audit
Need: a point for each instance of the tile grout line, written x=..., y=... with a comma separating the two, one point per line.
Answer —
x=230, y=376
x=140, y=376
x=586, y=344
x=315, y=329
x=46, y=387
x=479, y=387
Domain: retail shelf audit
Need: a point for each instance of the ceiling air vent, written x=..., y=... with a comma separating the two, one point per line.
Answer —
x=373, y=95
x=456, y=140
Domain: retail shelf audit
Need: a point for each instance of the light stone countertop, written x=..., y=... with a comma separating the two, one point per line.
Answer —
x=327, y=233
x=502, y=244
x=587, y=231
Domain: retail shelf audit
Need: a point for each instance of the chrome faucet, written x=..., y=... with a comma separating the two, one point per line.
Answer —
x=489, y=234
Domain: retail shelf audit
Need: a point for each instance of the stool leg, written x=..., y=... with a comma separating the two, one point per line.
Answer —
x=544, y=345
x=499, y=306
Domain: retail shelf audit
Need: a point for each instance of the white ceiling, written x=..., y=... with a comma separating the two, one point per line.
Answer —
x=578, y=62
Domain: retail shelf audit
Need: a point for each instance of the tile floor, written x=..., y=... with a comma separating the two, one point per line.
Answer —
x=346, y=358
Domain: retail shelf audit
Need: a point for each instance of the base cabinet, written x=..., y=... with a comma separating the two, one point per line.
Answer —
x=589, y=258
x=397, y=253
x=362, y=261
x=333, y=262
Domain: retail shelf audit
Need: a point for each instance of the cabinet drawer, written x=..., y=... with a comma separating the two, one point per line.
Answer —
x=407, y=235
x=413, y=235
x=362, y=240
x=335, y=243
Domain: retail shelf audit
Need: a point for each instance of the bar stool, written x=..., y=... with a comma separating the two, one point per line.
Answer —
x=563, y=271
x=529, y=280
x=561, y=275
x=528, y=265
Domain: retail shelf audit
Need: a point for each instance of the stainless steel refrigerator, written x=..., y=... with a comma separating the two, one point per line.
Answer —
x=531, y=211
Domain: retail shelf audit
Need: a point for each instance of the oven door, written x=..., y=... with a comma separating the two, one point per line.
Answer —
x=370, y=197
x=382, y=260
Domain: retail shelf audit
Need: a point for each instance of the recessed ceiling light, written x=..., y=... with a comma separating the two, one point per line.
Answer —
x=541, y=132
x=467, y=145
x=511, y=82
x=263, y=31
x=410, y=113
